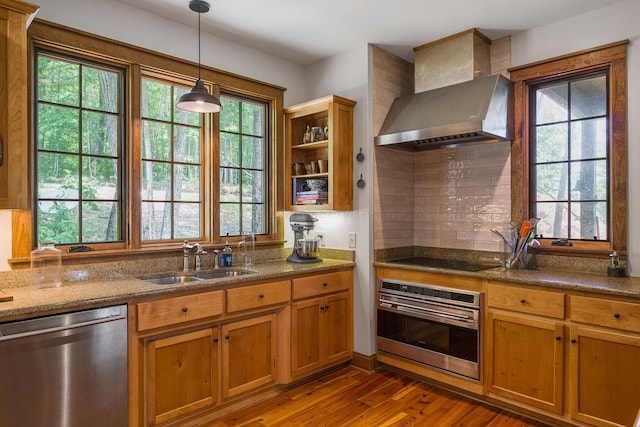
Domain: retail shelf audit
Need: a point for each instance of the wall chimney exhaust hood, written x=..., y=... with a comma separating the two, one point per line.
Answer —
x=456, y=100
x=476, y=111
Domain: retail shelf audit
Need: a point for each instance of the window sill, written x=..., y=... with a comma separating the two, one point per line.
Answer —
x=578, y=248
x=128, y=254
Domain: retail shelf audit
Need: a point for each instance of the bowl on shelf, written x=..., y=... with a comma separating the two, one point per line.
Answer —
x=317, y=184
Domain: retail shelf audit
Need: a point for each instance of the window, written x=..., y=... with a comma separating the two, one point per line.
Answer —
x=243, y=162
x=117, y=167
x=79, y=146
x=569, y=154
x=172, y=184
x=569, y=158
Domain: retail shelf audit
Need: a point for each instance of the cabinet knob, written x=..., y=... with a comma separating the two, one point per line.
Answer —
x=326, y=307
x=325, y=284
x=558, y=338
x=573, y=341
x=616, y=315
x=226, y=337
x=522, y=300
x=215, y=339
x=185, y=309
x=261, y=296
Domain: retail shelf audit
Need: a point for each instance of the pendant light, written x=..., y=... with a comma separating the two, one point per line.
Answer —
x=199, y=100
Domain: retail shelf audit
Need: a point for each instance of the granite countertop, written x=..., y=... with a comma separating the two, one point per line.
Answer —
x=72, y=295
x=593, y=283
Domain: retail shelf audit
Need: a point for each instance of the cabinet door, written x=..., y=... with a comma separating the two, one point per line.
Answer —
x=14, y=16
x=181, y=374
x=336, y=328
x=527, y=361
x=321, y=333
x=305, y=336
x=604, y=377
x=248, y=354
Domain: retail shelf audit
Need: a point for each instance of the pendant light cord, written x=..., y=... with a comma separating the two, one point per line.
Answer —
x=199, y=13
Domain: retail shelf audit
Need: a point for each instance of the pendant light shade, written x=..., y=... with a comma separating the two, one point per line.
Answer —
x=199, y=100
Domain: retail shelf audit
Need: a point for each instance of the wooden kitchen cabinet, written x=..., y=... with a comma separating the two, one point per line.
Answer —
x=333, y=190
x=604, y=354
x=321, y=322
x=15, y=17
x=176, y=310
x=526, y=352
x=181, y=374
x=249, y=350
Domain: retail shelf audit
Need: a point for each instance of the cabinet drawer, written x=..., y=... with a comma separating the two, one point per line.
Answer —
x=170, y=311
x=322, y=284
x=532, y=301
x=256, y=296
x=603, y=312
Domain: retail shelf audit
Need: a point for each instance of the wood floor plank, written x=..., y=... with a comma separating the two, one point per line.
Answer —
x=356, y=398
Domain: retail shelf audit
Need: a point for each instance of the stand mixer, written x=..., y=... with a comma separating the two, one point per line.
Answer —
x=305, y=250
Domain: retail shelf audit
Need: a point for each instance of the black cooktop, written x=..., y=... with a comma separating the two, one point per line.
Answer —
x=451, y=264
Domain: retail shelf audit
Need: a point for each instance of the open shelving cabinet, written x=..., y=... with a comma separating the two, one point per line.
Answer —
x=331, y=187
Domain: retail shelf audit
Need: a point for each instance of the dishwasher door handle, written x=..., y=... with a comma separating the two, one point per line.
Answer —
x=11, y=336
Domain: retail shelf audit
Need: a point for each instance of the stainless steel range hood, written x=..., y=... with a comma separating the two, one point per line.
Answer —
x=475, y=111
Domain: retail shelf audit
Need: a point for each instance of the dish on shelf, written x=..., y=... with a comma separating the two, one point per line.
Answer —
x=317, y=184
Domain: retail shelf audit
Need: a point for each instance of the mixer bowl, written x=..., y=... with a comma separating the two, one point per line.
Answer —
x=307, y=248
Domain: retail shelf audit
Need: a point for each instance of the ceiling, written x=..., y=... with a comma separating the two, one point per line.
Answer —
x=304, y=31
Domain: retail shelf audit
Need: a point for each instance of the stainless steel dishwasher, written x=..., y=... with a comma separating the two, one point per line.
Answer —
x=65, y=370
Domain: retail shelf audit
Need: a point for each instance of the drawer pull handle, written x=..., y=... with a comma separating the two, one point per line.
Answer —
x=558, y=338
x=573, y=341
x=261, y=296
x=522, y=300
x=325, y=284
x=185, y=309
x=616, y=315
x=226, y=337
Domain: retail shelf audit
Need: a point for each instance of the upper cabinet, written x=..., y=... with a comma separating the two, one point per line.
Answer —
x=15, y=17
x=319, y=154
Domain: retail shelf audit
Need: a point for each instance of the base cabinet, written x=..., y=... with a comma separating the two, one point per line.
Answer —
x=321, y=322
x=249, y=349
x=195, y=354
x=318, y=333
x=573, y=357
x=527, y=360
x=182, y=374
x=604, y=355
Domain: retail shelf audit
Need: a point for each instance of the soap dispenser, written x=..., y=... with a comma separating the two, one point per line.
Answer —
x=226, y=255
x=615, y=269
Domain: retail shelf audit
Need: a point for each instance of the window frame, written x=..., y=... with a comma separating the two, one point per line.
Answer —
x=121, y=158
x=267, y=160
x=610, y=58
x=138, y=62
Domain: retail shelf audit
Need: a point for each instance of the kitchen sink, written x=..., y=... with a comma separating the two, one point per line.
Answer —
x=223, y=273
x=171, y=280
x=176, y=279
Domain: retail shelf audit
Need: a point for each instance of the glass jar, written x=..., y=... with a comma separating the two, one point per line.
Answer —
x=46, y=266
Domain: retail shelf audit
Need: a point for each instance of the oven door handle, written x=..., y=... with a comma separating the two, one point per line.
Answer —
x=428, y=312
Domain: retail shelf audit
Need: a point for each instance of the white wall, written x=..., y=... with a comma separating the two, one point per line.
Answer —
x=346, y=75
x=596, y=28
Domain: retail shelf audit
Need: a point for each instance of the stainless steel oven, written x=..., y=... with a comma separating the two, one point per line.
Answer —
x=432, y=325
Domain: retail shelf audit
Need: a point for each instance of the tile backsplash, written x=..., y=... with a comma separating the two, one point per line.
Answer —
x=443, y=198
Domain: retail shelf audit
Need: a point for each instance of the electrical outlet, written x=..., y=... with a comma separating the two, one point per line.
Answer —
x=351, y=237
x=321, y=235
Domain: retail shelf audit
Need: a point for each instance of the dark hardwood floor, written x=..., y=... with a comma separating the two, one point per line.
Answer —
x=352, y=397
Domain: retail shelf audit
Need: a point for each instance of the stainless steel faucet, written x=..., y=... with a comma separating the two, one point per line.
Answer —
x=199, y=253
x=186, y=248
x=215, y=258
